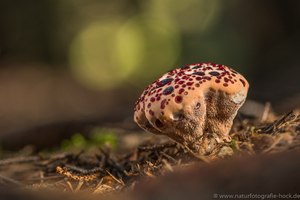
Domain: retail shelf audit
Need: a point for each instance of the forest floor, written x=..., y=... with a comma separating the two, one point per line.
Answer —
x=103, y=171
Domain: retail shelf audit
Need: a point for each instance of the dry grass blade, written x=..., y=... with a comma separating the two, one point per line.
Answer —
x=266, y=112
x=85, y=171
x=156, y=147
x=194, y=155
x=167, y=165
x=11, y=181
x=169, y=157
x=113, y=177
x=78, y=187
x=277, y=140
x=279, y=124
x=10, y=161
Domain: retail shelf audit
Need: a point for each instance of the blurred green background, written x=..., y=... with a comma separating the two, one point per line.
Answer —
x=107, y=44
x=88, y=60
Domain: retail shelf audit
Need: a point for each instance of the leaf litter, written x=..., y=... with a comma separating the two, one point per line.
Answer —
x=108, y=172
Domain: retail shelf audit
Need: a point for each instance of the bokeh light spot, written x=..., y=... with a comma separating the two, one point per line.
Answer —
x=92, y=57
x=104, y=55
x=190, y=16
x=152, y=45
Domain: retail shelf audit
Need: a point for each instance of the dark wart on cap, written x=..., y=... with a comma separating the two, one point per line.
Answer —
x=194, y=105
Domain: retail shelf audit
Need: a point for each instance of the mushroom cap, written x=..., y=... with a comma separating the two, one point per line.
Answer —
x=177, y=89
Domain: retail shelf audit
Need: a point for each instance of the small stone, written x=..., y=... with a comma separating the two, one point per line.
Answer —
x=225, y=152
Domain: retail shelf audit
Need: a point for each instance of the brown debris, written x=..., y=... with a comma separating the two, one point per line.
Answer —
x=105, y=172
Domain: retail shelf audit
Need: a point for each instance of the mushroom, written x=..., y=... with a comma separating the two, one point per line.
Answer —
x=194, y=105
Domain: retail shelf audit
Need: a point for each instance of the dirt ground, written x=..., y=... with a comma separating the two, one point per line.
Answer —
x=131, y=172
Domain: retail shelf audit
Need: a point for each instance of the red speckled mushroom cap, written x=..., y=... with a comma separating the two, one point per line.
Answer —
x=177, y=88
